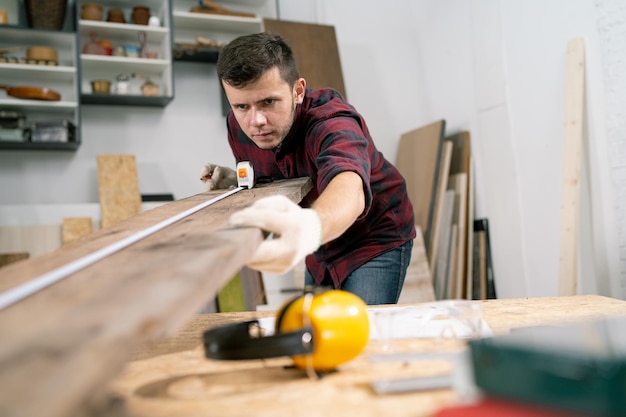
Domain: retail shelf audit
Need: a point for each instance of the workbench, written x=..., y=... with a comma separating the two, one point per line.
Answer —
x=173, y=377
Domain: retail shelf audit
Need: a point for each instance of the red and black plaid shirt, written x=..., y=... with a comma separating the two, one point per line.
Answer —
x=328, y=137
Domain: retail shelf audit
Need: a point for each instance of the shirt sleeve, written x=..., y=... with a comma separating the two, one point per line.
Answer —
x=340, y=145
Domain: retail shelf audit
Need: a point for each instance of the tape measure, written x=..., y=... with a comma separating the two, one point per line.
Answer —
x=245, y=179
x=245, y=174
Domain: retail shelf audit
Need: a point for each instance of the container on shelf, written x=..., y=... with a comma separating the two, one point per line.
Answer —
x=91, y=11
x=141, y=15
x=101, y=86
x=116, y=15
x=45, y=14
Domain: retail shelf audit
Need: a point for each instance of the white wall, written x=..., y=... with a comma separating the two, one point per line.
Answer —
x=495, y=68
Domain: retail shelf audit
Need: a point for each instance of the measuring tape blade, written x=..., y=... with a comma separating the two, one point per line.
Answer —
x=26, y=289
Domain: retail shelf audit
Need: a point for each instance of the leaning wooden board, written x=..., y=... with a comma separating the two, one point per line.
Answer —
x=61, y=346
x=177, y=380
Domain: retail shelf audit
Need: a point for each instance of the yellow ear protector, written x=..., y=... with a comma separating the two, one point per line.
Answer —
x=318, y=330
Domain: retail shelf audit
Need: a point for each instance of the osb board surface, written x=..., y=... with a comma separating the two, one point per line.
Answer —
x=184, y=383
x=118, y=188
x=62, y=344
x=76, y=227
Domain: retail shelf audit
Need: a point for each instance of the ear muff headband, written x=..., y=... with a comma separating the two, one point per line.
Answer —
x=234, y=341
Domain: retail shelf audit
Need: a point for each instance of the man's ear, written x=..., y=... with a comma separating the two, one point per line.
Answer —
x=298, y=90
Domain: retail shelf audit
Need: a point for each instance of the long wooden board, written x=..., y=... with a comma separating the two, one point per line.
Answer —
x=60, y=346
x=573, y=146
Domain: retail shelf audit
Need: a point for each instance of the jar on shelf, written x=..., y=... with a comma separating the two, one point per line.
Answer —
x=149, y=88
x=116, y=15
x=122, y=86
x=141, y=15
x=91, y=11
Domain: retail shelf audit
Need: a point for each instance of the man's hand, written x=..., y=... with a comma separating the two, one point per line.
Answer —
x=297, y=232
x=217, y=177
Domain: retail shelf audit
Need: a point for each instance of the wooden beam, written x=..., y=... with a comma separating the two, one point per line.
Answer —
x=62, y=345
x=573, y=143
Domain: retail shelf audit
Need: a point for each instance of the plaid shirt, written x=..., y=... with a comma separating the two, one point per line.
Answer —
x=328, y=137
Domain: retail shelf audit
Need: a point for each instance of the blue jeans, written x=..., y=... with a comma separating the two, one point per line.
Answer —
x=380, y=280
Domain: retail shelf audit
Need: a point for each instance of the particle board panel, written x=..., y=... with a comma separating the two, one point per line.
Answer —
x=76, y=227
x=62, y=345
x=183, y=383
x=118, y=188
x=315, y=49
x=572, y=150
x=419, y=156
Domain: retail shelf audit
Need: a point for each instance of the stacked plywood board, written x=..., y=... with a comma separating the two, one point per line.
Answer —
x=438, y=170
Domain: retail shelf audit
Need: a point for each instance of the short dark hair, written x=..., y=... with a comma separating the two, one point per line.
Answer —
x=245, y=59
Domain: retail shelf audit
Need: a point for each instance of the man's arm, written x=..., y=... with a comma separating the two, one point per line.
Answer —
x=298, y=231
x=340, y=204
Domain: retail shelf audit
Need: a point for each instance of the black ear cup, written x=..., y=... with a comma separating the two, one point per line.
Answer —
x=240, y=341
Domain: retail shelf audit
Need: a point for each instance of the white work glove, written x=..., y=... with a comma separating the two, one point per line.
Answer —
x=297, y=232
x=216, y=177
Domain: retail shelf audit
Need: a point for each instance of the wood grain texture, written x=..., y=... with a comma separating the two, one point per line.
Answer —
x=573, y=145
x=118, y=188
x=61, y=345
x=315, y=49
x=183, y=383
x=438, y=205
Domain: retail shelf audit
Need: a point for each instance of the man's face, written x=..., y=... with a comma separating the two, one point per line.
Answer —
x=265, y=109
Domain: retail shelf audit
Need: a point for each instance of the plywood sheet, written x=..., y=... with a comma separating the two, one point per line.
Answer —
x=61, y=345
x=118, y=188
x=419, y=155
x=315, y=49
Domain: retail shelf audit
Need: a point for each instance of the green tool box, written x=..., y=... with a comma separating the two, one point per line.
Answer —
x=576, y=367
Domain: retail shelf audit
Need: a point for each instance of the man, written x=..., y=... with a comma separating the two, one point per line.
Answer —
x=357, y=222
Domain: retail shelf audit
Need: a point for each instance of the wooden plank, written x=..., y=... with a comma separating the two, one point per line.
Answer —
x=441, y=185
x=309, y=42
x=440, y=270
x=76, y=227
x=419, y=156
x=118, y=188
x=61, y=345
x=460, y=165
x=573, y=143
x=458, y=183
x=470, y=232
